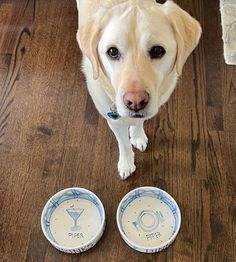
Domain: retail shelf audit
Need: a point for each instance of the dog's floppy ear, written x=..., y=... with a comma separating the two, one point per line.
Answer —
x=88, y=38
x=187, y=31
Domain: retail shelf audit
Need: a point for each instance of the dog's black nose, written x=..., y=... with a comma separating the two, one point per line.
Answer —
x=136, y=100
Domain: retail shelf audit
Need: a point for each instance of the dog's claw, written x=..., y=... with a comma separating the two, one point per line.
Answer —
x=140, y=143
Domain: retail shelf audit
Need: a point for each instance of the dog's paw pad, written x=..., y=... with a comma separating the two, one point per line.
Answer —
x=125, y=169
x=140, y=143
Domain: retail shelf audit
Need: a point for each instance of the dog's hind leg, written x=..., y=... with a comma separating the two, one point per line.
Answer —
x=126, y=155
x=138, y=137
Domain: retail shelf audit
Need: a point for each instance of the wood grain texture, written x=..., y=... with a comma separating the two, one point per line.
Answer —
x=51, y=138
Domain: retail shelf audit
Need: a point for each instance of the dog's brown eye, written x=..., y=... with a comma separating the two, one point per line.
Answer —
x=114, y=53
x=157, y=52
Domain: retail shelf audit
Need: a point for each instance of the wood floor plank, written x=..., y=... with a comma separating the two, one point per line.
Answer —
x=214, y=64
x=16, y=16
x=4, y=105
x=229, y=95
x=221, y=183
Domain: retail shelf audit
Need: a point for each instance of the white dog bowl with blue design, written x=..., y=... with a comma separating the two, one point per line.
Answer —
x=73, y=220
x=148, y=219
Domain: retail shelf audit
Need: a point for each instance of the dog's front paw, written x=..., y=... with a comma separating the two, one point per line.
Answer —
x=126, y=168
x=140, y=142
x=138, y=138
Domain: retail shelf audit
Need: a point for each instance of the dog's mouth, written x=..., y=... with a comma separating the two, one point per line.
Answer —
x=138, y=115
x=115, y=113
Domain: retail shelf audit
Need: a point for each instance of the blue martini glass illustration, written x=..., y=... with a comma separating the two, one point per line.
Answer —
x=75, y=213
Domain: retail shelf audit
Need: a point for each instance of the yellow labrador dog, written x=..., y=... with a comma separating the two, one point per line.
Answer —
x=133, y=53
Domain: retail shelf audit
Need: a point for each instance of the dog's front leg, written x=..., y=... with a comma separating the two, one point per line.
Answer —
x=126, y=155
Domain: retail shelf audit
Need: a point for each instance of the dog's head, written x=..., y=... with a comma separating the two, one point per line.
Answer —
x=140, y=47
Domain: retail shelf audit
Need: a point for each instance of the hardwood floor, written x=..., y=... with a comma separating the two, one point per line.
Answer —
x=51, y=138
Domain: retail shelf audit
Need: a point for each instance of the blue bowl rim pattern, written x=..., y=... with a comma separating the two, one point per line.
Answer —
x=136, y=193
x=51, y=205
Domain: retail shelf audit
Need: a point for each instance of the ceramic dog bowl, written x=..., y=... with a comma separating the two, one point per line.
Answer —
x=148, y=219
x=73, y=220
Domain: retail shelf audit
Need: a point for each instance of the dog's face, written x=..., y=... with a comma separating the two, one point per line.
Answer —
x=139, y=48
